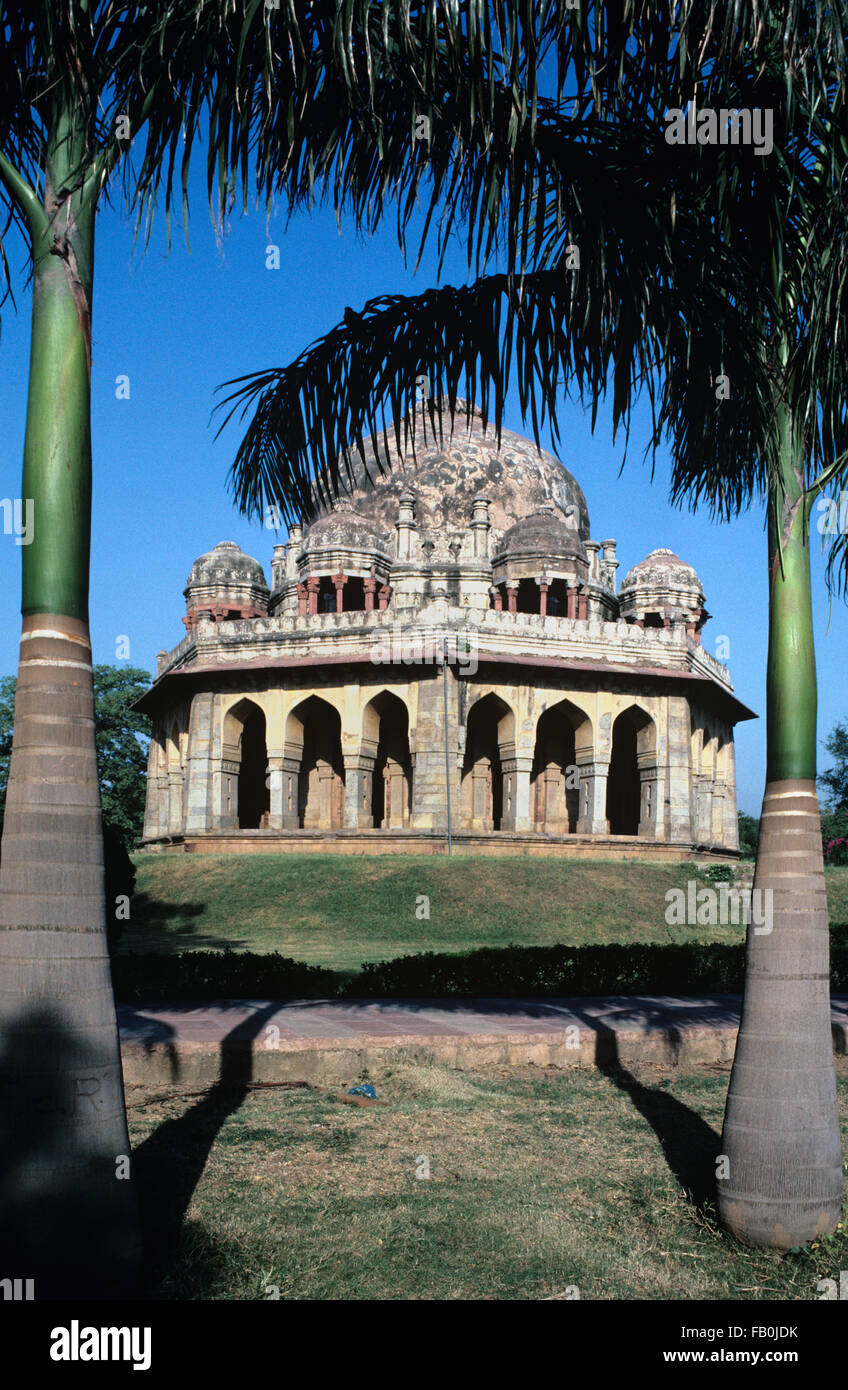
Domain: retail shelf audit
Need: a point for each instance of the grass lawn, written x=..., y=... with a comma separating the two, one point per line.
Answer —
x=541, y=1181
x=341, y=911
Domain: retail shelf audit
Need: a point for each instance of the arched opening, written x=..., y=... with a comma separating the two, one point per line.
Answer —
x=321, y=781
x=554, y=778
x=354, y=594
x=557, y=601
x=391, y=786
x=254, y=797
x=489, y=733
x=529, y=596
x=633, y=752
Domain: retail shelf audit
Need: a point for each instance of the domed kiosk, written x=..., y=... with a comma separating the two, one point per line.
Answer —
x=444, y=634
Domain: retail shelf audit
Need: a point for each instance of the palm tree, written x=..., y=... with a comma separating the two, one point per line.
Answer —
x=697, y=265
x=288, y=104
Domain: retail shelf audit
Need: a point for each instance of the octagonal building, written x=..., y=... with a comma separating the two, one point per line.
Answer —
x=444, y=650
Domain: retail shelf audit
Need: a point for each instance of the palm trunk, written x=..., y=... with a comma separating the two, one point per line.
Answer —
x=67, y=1204
x=781, y=1126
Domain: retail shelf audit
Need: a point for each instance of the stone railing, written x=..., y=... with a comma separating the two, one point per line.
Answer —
x=528, y=634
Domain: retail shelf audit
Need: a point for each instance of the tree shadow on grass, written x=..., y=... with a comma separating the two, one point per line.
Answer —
x=690, y=1146
x=169, y=1164
x=168, y=928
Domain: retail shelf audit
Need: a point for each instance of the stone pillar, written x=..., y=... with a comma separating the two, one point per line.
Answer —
x=480, y=526
x=278, y=568
x=593, y=798
x=592, y=548
x=302, y=601
x=516, y=792
x=571, y=601
x=198, y=811
x=394, y=797
x=429, y=801
x=384, y=596
x=339, y=580
x=370, y=586
x=312, y=587
x=582, y=602
x=405, y=524
x=359, y=776
x=512, y=595
x=675, y=817
x=225, y=794
x=497, y=598
x=543, y=596
x=730, y=830
x=719, y=795
x=481, y=795
x=647, y=826
x=704, y=812
x=175, y=803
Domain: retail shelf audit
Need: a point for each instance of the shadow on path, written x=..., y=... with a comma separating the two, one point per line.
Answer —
x=169, y=1164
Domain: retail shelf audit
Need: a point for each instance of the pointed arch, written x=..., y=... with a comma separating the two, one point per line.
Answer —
x=562, y=730
x=314, y=739
x=489, y=742
x=631, y=785
x=385, y=730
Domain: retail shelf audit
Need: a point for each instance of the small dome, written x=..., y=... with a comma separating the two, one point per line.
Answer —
x=224, y=566
x=344, y=528
x=660, y=570
x=545, y=534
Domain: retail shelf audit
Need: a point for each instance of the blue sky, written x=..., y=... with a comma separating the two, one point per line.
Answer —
x=179, y=324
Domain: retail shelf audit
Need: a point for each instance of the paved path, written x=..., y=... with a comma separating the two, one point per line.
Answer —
x=330, y=1040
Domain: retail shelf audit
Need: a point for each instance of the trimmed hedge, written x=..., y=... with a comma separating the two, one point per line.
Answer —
x=511, y=972
x=206, y=975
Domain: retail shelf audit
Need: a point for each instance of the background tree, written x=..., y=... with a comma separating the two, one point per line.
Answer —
x=120, y=734
x=700, y=268
x=835, y=779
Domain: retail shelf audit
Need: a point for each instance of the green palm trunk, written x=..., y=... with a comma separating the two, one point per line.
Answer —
x=67, y=1205
x=781, y=1130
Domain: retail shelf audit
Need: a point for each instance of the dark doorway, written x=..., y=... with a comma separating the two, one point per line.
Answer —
x=254, y=797
x=632, y=736
x=392, y=780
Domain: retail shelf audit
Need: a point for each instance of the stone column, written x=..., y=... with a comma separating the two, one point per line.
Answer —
x=384, y=596
x=647, y=826
x=593, y=798
x=225, y=794
x=571, y=601
x=429, y=801
x=480, y=526
x=302, y=600
x=198, y=812
x=370, y=586
x=497, y=598
x=175, y=803
x=704, y=802
x=730, y=831
x=405, y=524
x=339, y=581
x=359, y=776
x=481, y=795
x=516, y=792
x=312, y=587
x=676, y=815
x=582, y=603
x=543, y=596
x=512, y=595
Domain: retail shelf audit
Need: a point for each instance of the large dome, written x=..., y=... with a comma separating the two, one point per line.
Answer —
x=447, y=475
